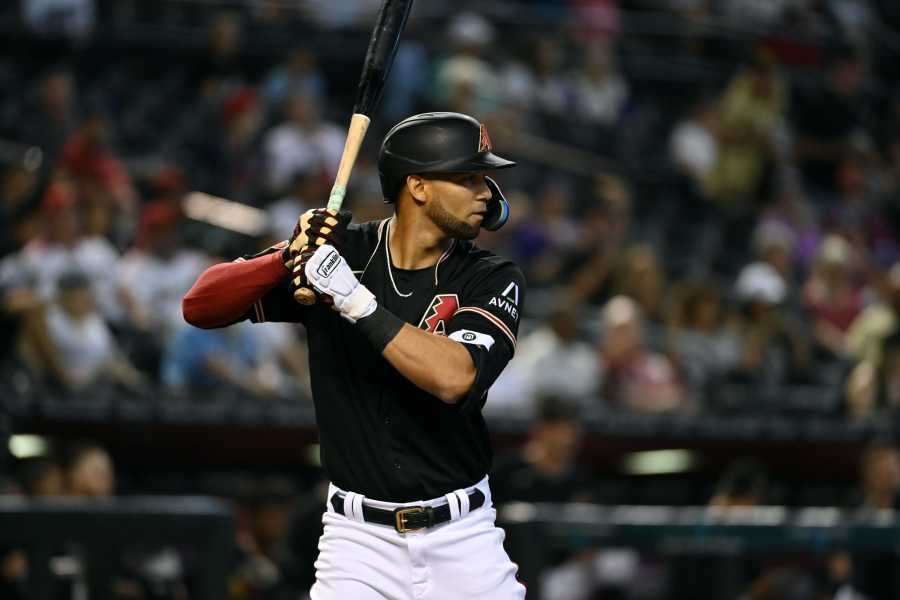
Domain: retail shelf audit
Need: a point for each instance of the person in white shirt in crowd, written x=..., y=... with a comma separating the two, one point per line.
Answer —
x=85, y=346
x=601, y=92
x=551, y=360
x=303, y=142
x=464, y=81
x=154, y=275
x=61, y=246
x=692, y=144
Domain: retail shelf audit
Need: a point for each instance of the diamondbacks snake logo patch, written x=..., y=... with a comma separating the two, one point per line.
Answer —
x=439, y=313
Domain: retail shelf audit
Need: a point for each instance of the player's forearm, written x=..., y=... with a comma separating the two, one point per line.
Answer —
x=440, y=366
x=224, y=292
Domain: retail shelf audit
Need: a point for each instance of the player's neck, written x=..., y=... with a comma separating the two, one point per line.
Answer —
x=415, y=243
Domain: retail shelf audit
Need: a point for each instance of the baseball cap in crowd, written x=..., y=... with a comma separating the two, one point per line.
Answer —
x=760, y=282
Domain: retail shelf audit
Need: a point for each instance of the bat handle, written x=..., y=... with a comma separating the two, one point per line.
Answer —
x=359, y=124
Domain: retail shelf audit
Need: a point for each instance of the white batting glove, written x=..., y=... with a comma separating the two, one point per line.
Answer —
x=330, y=274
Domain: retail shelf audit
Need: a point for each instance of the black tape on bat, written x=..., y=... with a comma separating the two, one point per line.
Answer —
x=380, y=55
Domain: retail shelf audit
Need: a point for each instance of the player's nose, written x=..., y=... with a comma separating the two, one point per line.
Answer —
x=483, y=192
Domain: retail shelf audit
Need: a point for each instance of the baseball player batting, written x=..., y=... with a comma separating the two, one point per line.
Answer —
x=414, y=323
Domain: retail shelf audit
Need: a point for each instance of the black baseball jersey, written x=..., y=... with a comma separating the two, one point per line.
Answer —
x=380, y=435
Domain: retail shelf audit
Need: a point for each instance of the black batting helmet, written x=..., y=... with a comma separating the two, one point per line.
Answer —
x=439, y=142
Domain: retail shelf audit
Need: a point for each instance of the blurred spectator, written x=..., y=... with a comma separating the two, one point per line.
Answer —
x=464, y=81
x=693, y=146
x=832, y=296
x=89, y=471
x=18, y=198
x=637, y=379
x=774, y=349
x=880, y=476
x=543, y=88
x=702, y=336
x=869, y=330
x=299, y=75
x=790, y=223
x=62, y=246
x=73, y=18
x=749, y=116
x=774, y=243
x=600, y=91
x=95, y=169
x=48, y=122
x=207, y=361
x=553, y=360
x=858, y=215
x=303, y=143
x=85, y=347
x=156, y=273
x=639, y=276
x=545, y=470
x=873, y=388
x=605, y=229
x=830, y=120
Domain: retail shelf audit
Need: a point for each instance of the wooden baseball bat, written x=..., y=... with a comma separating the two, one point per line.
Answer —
x=379, y=58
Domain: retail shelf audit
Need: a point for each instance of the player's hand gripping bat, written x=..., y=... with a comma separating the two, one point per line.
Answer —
x=379, y=58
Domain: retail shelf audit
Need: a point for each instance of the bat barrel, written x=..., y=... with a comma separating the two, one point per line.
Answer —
x=380, y=54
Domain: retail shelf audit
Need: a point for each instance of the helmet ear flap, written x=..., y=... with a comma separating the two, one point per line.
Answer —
x=497, y=207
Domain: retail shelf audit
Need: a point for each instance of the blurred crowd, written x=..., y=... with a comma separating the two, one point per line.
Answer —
x=276, y=532
x=706, y=208
x=278, y=524
x=691, y=242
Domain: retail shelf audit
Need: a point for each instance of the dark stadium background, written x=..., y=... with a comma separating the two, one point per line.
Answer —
x=707, y=209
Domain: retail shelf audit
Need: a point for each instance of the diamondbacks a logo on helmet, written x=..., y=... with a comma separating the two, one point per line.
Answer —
x=484, y=140
x=439, y=313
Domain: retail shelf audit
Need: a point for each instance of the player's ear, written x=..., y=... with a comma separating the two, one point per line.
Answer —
x=415, y=185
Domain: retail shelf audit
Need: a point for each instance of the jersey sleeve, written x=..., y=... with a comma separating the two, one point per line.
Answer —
x=487, y=323
x=278, y=304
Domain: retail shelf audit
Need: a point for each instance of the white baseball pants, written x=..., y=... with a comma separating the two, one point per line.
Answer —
x=460, y=559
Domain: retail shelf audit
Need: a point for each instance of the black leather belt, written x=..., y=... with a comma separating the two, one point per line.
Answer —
x=408, y=518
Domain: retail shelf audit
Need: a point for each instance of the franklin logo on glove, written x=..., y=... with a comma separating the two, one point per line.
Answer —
x=329, y=264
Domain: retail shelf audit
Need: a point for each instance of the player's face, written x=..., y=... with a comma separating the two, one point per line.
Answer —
x=457, y=203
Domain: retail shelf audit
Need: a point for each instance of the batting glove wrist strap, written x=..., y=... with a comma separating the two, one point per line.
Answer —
x=380, y=327
x=330, y=274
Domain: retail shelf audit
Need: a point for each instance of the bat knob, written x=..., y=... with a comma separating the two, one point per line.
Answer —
x=305, y=296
